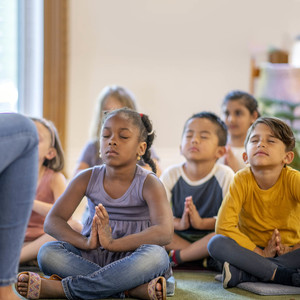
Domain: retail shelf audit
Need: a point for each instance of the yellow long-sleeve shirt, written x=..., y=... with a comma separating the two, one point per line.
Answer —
x=249, y=214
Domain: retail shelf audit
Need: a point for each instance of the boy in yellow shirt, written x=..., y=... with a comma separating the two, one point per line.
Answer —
x=258, y=225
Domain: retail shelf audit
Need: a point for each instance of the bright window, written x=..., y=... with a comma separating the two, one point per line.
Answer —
x=21, y=56
x=8, y=55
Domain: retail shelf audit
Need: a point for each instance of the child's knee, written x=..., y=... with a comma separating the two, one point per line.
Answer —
x=215, y=244
x=45, y=256
x=155, y=256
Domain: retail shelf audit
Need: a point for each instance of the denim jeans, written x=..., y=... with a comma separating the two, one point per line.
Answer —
x=18, y=178
x=223, y=248
x=83, y=279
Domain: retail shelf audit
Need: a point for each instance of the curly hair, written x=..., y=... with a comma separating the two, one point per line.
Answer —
x=144, y=124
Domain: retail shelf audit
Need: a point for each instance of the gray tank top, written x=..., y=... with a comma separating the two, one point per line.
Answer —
x=127, y=215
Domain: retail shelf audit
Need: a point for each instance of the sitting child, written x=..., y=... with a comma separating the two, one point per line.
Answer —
x=51, y=184
x=258, y=233
x=196, y=188
x=239, y=111
x=120, y=251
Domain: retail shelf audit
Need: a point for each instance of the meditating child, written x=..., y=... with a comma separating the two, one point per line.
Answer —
x=120, y=252
x=51, y=184
x=196, y=188
x=239, y=111
x=258, y=232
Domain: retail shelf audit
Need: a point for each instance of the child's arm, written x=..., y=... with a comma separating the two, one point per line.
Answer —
x=280, y=249
x=159, y=233
x=230, y=160
x=196, y=221
x=85, y=159
x=57, y=218
x=228, y=216
x=293, y=182
x=169, y=177
x=58, y=186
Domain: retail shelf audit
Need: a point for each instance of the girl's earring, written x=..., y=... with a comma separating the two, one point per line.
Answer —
x=99, y=154
x=138, y=158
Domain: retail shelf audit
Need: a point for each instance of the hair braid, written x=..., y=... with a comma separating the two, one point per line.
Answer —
x=146, y=131
x=149, y=140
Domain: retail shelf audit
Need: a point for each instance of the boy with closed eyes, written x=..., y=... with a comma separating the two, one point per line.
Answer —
x=196, y=188
x=258, y=233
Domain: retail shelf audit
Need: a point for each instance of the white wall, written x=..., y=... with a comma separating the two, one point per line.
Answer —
x=178, y=57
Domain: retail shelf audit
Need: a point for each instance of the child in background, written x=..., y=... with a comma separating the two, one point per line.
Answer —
x=120, y=252
x=110, y=98
x=258, y=233
x=239, y=111
x=51, y=184
x=196, y=188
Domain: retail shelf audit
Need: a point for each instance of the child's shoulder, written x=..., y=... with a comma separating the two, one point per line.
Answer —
x=224, y=169
x=51, y=175
x=140, y=171
x=172, y=170
x=91, y=146
x=95, y=172
x=55, y=178
x=223, y=174
x=58, y=175
x=291, y=173
x=243, y=174
x=171, y=174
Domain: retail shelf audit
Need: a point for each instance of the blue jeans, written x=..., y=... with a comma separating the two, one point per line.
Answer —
x=83, y=279
x=18, y=178
x=223, y=248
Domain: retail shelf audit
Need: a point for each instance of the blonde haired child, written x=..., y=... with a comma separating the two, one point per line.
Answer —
x=110, y=98
x=51, y=184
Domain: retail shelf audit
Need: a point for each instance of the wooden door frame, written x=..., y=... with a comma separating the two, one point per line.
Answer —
x=55, y=64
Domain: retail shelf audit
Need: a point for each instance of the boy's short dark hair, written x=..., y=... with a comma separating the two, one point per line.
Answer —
x=280, y=129
x=221, y=127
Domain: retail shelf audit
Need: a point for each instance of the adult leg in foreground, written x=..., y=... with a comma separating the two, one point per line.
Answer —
x=18, y=178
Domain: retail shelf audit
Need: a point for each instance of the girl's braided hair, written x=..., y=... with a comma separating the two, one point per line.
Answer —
x=149, y=137
x=147, y=133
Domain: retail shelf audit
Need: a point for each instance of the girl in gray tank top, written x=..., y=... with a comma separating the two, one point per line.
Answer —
x=120, y=251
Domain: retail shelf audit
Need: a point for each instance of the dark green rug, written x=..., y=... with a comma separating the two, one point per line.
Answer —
x=201, y=285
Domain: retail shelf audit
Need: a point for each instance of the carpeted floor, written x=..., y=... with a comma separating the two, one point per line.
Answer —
x=201, y=285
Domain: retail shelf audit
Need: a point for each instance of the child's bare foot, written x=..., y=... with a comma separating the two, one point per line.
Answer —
x=154, y=290
x=45, y=288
